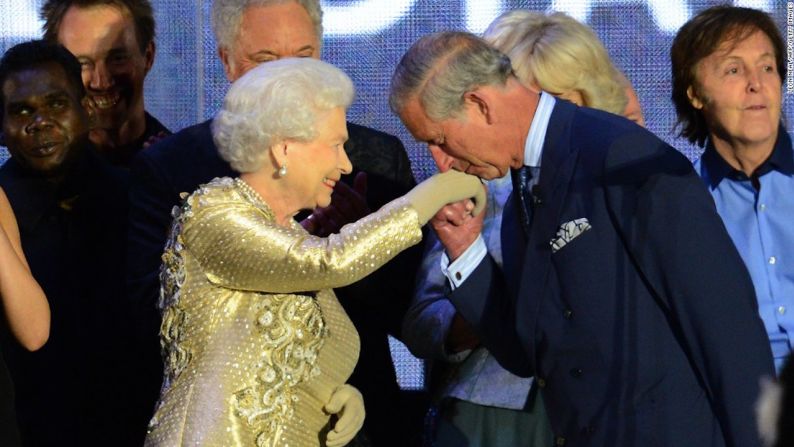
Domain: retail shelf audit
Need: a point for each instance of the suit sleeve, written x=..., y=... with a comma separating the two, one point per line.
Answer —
x=682, y=248
x=484, y=301
x=239, y=247
x=427, y=321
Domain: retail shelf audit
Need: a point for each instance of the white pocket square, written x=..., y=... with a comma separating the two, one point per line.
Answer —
x=568, y=232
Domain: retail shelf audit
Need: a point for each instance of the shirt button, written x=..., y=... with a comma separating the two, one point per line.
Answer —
x=458, y=276
x=781, y=310
x=568, y=314
x=762, y=207
x=772, y=260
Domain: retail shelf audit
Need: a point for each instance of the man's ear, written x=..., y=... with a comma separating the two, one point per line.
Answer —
x=480, y=102
x=225, y=58
x=148, y=56
x=693, y=98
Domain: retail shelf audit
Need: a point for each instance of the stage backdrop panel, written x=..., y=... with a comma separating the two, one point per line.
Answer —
x=366, y=38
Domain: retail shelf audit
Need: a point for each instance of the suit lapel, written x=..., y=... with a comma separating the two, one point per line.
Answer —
x=557, y=166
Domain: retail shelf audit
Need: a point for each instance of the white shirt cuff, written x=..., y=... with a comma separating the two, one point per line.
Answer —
x=458, y=271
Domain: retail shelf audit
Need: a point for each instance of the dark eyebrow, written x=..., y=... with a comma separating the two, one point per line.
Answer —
x=117, y=51
x=58, y=94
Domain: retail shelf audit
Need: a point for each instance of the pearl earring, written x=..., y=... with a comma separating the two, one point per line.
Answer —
x=282, y=171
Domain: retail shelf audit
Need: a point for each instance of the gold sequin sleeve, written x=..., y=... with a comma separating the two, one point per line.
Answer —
x=240, y=247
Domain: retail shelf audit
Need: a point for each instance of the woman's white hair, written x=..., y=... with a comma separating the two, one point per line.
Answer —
x=275, y=102
x=558, y=54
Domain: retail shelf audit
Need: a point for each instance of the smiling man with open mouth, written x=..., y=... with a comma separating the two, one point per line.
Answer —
x=114, y=42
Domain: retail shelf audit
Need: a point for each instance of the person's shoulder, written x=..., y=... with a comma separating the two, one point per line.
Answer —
x=154, y=126
x=625, y=148
x=222, y=196
x=599, y=121
x=189, y=140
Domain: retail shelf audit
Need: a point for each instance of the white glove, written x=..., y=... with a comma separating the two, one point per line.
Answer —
x=441, y=189
x=348, y=404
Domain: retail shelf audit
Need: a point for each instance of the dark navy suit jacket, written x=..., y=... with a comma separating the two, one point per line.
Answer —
x=376, y=304
x=643, y=330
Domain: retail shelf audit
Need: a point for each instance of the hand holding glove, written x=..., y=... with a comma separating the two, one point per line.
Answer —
x=448, y=187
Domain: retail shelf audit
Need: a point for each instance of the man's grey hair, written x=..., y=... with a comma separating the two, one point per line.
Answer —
x=227, y=15
x=440, y=68
x=274, y=102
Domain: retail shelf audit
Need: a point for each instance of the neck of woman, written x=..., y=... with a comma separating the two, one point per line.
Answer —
x=275, y=194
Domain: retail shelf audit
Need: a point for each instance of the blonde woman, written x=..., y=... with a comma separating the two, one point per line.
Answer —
x=555, y=53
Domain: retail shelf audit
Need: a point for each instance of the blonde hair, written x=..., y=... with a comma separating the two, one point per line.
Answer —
x=559, y=54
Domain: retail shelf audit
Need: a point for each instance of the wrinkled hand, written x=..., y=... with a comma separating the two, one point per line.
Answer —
x=347, y=205
x=456, y=227
x=348, y=404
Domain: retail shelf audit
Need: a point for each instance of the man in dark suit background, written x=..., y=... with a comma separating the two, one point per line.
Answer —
x=249, y=33
x=621, y=291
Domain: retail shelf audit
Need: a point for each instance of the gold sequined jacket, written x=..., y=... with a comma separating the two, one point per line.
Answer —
x=254, y=339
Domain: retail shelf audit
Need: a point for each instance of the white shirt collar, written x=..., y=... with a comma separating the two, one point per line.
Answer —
x=533, y=148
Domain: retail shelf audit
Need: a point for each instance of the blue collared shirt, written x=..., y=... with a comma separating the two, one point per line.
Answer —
x=458, y=271
x=761, y=223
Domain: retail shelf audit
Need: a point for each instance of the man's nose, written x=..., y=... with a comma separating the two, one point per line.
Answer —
x=100, y=77
x=38, y=123
x=754, y=80
x=444, y=162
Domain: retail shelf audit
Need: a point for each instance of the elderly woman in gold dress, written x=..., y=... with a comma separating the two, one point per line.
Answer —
x=257, y=348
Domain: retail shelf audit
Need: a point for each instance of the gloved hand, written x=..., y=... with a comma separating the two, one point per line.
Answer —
x=348, y=404
x=452, y=186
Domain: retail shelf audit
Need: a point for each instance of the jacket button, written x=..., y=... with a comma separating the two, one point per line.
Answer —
x=576, y=372
x=541, y=383
x=568, y=314
x=559, y=441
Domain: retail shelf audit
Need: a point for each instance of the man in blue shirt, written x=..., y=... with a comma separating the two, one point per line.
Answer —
x=728, y=66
